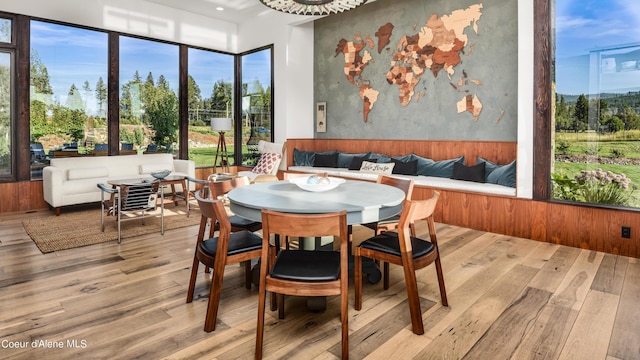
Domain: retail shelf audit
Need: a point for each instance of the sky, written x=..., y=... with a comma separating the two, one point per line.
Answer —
x=582, y=26
x=74, y=55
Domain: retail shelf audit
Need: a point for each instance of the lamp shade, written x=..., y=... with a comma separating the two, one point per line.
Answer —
x=220, y=124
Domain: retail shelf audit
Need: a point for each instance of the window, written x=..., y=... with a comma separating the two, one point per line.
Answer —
x=211, y=80
x=67, y=92
x=5, y=113
x=597, y=103
x=148, y=96
x=257, y=122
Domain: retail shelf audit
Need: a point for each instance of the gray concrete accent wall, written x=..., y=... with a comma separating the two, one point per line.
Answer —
x=489, y=57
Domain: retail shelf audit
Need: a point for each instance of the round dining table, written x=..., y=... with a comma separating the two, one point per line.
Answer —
x=365, y=202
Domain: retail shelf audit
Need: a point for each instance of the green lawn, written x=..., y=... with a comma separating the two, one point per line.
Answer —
x=205, y=156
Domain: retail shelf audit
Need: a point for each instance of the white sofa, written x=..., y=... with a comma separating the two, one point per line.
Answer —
x=73, y=180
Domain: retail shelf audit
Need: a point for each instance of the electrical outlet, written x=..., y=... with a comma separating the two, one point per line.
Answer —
x=626, y=232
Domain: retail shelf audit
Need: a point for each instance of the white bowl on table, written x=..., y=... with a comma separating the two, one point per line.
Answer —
x=303, y=183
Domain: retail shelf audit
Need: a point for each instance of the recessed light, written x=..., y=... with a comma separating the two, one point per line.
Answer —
x=220, y=8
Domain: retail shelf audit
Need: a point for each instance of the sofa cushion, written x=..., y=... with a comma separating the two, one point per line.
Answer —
x=87, y=173
x=149, y=168
x=469, y=173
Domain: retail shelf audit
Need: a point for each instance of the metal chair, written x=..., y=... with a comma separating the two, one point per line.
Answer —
x=217, y=252
x=304, y=272
x=132, y=199
x=405, y=249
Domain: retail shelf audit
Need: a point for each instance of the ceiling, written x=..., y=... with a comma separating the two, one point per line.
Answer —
x=235, y=11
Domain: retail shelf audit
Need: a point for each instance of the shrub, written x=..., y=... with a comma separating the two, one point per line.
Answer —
x=617, y=153
x=597, y=186
x=562, y=147
x=592, y=149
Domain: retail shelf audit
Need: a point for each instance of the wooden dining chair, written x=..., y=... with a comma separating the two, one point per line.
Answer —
x=405, y=249
x=304, y=272
x=217, y=252
x=219, y=189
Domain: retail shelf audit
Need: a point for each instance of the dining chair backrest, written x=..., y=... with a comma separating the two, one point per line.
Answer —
x=405, y=185
x=220, y=188
x=304, y=272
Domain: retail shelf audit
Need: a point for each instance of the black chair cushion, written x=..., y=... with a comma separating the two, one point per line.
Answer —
x=240, y=222
x=388, y=242
x=307, y=265
x=241, y=241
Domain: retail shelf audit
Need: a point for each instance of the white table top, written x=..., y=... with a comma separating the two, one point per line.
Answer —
x=365, y=202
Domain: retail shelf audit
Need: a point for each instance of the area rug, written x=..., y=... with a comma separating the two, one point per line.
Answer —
x=74, y=229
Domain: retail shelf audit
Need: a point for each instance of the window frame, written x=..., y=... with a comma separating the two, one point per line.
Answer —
x=21, y=127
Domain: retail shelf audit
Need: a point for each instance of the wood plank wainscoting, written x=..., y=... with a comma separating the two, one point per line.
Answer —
x=566, y=224
x=578, y=226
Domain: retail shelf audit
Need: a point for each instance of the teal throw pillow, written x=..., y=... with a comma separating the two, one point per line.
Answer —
x=303, y=158
x=500, y=174
x=345, y=159
x=443, y=169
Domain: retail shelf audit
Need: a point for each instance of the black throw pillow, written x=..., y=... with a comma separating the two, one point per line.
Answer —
x=326, y=160
x=356, y=162
x=405, y=167
x=469, y=173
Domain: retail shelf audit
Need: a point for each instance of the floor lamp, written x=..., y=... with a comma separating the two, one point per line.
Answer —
x=221, y=125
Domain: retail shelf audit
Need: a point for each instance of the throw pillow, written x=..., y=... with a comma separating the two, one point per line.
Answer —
x=356, y=162
x=381, y=158
x=375, y=168
x=326, y=160
x=405, y=167
x=500, y=174
x=469, y=173
x=443, y=169
x=267, y=163
x=504, y=175
x=345, y=159
x=303, y=158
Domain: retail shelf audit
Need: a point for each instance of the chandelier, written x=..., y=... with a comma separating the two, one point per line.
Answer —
x=313, y=7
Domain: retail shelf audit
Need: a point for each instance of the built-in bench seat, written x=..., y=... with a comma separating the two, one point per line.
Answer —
x=419, y=180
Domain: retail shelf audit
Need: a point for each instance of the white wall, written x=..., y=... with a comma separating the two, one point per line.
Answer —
x=293, y=69
x=134, y=17
x=292, y=37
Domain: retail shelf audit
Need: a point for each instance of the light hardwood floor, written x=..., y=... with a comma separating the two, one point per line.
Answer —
x=509, y=298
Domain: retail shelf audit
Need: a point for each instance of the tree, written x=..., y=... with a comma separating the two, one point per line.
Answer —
x=629, y=117
x=221, y=97
x=581, y=114
x=74, y=100
x=101, y=96
x=39, y=76
x=195, y=98
x=162, y=114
